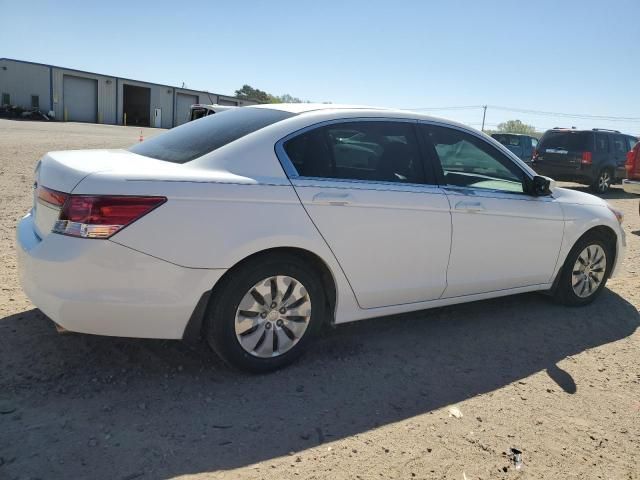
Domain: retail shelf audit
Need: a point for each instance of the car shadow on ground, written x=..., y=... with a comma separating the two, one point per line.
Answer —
x=79, y=406
x=615, y=192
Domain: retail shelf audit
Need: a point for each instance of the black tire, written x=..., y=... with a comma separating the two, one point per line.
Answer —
x=603, y=181
x=221, y=316
x=564, y=291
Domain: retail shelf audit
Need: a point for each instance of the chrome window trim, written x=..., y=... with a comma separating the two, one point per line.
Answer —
x=292, y=173
x=493, y=193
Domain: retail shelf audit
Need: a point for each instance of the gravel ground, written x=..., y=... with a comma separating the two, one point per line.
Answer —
x=371, y=400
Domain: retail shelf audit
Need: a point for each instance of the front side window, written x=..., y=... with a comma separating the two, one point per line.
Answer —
x=361, y=150
x=468, y=161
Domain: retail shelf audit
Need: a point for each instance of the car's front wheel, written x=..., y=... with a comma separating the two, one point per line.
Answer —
x=265, y=313
x=585, y=271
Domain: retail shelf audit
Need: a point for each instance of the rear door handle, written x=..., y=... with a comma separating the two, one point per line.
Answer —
x=337, y=199
x=470, y=206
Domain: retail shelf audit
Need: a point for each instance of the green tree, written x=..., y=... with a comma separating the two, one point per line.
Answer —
x=247, y=92
x=516, y=126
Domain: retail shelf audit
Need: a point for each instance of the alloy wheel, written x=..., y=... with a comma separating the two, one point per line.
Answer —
x=272, y=316
x=604, y=181
x=588, y=271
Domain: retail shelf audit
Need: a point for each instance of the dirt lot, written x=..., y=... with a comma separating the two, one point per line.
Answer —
x=371, y=400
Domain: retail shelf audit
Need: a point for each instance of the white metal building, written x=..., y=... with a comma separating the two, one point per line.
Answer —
x=79, y=96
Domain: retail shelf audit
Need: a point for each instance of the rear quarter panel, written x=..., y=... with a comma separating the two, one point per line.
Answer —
x=213, y=225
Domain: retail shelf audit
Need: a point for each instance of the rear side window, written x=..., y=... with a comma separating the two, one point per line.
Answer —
x=195, y=139
x=602, y=142
x=507, y=140
x=619, y=145
x=567, y=140
x=364, y=150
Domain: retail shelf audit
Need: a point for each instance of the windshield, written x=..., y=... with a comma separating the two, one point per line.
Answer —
x=195, y=139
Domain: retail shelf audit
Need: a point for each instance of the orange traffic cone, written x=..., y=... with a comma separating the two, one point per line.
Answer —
x=141, y=139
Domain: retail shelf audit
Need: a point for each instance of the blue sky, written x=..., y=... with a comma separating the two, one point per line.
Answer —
x=570, y=56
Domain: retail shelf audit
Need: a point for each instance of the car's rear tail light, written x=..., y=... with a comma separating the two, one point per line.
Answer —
x=535, y=154
x=90, y=216
x=51, y=197
x=633, y=161
x=586, y=158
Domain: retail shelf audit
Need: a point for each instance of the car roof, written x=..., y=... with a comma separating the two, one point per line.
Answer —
x=362, y=110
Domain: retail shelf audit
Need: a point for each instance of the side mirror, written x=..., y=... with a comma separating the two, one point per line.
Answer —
x=539, y=186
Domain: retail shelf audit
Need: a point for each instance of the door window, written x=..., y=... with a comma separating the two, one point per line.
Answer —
x=377, y=151
x=619, y=145
x=602, y=142
x=534, y=142
x=468, y=161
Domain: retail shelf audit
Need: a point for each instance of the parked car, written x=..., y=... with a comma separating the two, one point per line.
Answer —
x=593, y=157
x=256, y=227
x=631, y=184
x=199, y=110
x=522, y=145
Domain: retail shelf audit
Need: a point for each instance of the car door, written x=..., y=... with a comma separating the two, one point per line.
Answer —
x=364, y=186
x=502, y=237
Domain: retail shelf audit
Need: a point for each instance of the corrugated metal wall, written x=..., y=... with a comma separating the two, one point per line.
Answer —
x=21, y=80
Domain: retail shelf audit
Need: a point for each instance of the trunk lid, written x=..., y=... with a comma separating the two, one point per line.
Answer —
x=63, y=171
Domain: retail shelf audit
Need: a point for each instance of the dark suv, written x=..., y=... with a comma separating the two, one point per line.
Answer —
x=593, y=157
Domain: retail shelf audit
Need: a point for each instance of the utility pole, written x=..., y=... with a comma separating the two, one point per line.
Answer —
x=484, y=114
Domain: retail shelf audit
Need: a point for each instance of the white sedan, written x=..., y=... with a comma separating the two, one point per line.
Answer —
x=254, y=227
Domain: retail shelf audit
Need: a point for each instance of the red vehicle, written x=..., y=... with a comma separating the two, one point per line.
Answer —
x=632, y=183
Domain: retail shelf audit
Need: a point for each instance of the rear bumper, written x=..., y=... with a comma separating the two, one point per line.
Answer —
x=631, y=186
x=103, y=288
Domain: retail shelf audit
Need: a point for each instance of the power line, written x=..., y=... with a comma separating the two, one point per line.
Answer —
x=464, y=107
x=584, y=116
x=567, y=115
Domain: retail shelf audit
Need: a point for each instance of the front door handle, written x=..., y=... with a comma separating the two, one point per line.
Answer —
x=337, y=199
x=470, y=206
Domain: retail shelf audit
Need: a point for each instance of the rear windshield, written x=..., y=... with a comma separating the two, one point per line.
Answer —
x=512, y=140
x=197, y=138
x=567, y=140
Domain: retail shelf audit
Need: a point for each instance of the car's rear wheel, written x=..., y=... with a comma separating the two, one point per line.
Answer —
x=264, y=314
x=603, y=181
x=585, y=271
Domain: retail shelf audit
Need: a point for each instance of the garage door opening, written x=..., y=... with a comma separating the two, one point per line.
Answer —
x=136, y=106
